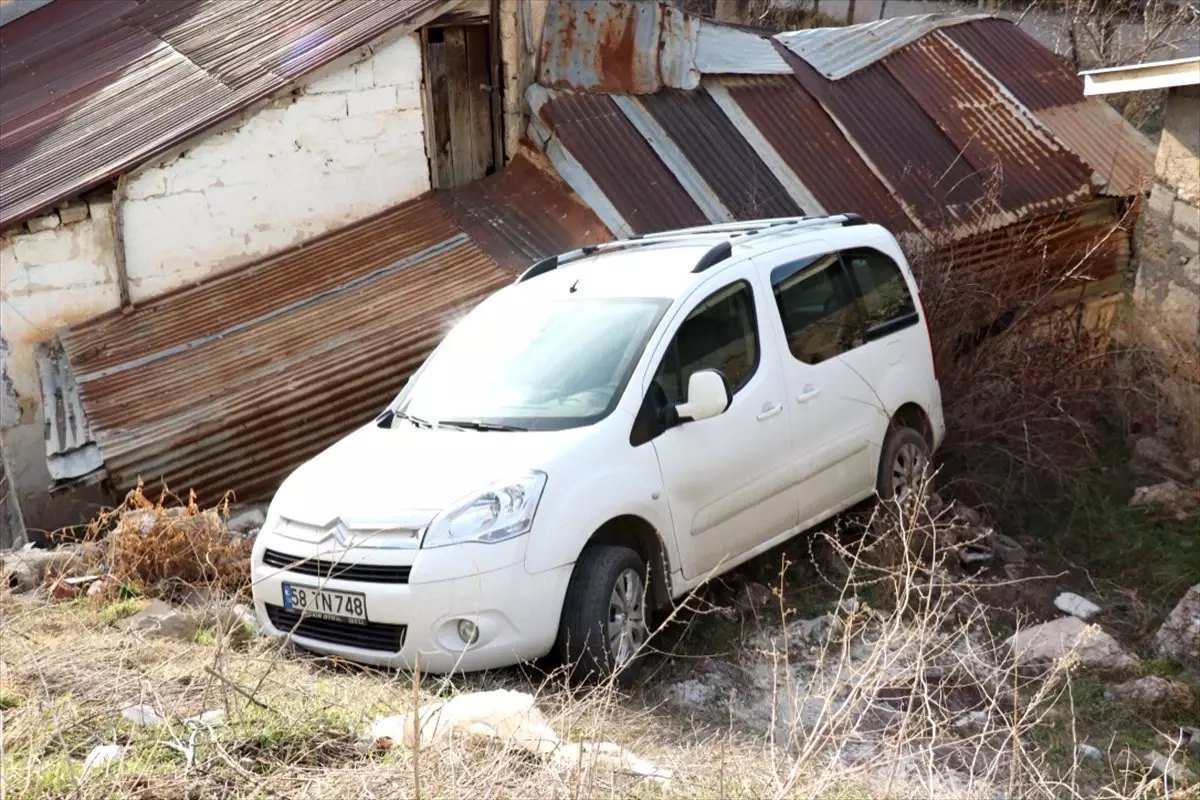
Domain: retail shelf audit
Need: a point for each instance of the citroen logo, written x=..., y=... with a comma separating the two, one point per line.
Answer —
x=341, y=533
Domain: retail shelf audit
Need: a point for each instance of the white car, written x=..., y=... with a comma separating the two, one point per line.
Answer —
x=621, y=424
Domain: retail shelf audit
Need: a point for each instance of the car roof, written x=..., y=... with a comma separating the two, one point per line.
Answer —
x=664, y=267
x=658, y=270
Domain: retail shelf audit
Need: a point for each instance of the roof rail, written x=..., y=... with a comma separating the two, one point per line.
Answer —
x=739, y=231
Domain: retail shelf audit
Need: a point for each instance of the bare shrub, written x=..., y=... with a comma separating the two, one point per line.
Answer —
x=162, y=548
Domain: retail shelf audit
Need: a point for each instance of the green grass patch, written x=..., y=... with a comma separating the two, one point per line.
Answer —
x=120, y=609
x=206, y=636
x=1140, y=549
x=1089, y=716
x=8, y=700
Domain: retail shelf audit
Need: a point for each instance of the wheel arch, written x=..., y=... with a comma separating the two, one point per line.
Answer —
x=913, y=415
x=636, y=533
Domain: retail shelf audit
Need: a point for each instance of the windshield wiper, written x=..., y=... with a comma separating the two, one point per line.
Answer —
x=476, y=425
x=417, y=421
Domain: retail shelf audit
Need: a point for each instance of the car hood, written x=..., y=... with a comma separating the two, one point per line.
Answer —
x=375, y=473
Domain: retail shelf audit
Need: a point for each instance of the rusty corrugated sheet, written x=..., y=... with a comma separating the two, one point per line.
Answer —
x=231, y=384
x=720, y=155
x=523, y=214
x=617, y=46
x=1079, y=248
x=621, y=163
x=92, y=89
x=1107, y=142
x=838, y=52
x=1021, y=163
x=909, y=151
x=1034, y=75
x=811, y=144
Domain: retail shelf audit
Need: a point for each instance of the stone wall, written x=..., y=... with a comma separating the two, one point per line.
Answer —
x=1168, y=279
x=343, y=144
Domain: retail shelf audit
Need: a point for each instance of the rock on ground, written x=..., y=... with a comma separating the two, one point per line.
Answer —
x=510, y=717
x=1155, y=694
x=24, y=570
x=1052, y=642
x=1168, y=494
x=1179, y=637
x=1076, y=606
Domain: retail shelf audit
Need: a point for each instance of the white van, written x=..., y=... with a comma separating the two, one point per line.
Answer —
x=621, y=424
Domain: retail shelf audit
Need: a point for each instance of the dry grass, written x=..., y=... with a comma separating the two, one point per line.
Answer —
x=162, y=548
x=891, y=681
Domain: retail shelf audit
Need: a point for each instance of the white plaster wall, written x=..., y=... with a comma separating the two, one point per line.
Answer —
x=47, y=279
x=345, y=143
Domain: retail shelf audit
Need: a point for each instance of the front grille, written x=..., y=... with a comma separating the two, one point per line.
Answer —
x=364, y=635
x=319, y=568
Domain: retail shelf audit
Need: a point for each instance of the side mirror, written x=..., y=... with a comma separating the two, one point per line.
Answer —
x=707, y=396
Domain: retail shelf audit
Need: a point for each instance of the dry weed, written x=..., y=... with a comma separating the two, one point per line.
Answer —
x=163, y=548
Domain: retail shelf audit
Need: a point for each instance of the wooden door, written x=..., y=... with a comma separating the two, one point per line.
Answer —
x=460, y=121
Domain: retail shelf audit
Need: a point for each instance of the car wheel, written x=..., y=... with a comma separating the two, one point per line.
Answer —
x=606, y=616
x=903, y=464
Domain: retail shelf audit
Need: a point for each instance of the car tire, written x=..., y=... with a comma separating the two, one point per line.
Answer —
x=903, y=463
x=608, y=594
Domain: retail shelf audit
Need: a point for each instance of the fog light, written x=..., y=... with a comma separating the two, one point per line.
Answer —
x=468, y=631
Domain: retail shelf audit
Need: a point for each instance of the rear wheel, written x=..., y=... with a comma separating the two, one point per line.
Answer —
x=606, y=617
x=903, y=464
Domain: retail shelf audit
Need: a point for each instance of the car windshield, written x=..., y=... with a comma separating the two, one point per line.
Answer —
x=550, y=365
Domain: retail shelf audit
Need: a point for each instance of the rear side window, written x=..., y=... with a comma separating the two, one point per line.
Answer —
x=817, y=305
x=720, y=333
x=887, y=304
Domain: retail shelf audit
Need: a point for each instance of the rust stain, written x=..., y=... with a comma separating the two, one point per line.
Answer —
x=615, y=53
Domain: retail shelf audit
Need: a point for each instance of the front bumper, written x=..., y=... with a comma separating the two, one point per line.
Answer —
x=516, y=613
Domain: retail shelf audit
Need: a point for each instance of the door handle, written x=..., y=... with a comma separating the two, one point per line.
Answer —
x=769, y=411
x=809, y=393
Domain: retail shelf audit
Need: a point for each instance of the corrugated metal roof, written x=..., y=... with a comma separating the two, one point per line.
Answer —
x=1107, y=142
x=92, y=89
x=839, y=52
x=620, y=162
x=815, y=150
x=725, y=49
x=1000, y=139
x=523, y=214
x=230, y=384
x=900, y=141
x=720, y=155
x=1034, y=75
x=617, y=46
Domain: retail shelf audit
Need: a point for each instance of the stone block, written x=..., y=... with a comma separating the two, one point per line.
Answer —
x=1161, y=204
x=1184, y=247
x=47, y=223
x=371, y=101
x=321, y=106
x=398, y=64
x=349, y=78
x=72, y=212
x=1186, y=217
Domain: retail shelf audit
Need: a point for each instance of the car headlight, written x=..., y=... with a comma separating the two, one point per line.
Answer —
x=502, y=511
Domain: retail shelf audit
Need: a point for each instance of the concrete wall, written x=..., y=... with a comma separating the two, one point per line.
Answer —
x=344, y=143
x=57, y=270
x=1168, y=279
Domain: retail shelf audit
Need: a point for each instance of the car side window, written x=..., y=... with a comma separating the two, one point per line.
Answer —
x=817, y=306
x=720, y=333
x=885, y=294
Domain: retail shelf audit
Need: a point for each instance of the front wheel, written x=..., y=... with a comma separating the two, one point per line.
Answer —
x=903, y=464
x=606, y=617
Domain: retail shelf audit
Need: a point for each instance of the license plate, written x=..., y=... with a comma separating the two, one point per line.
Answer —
x=325, y=603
